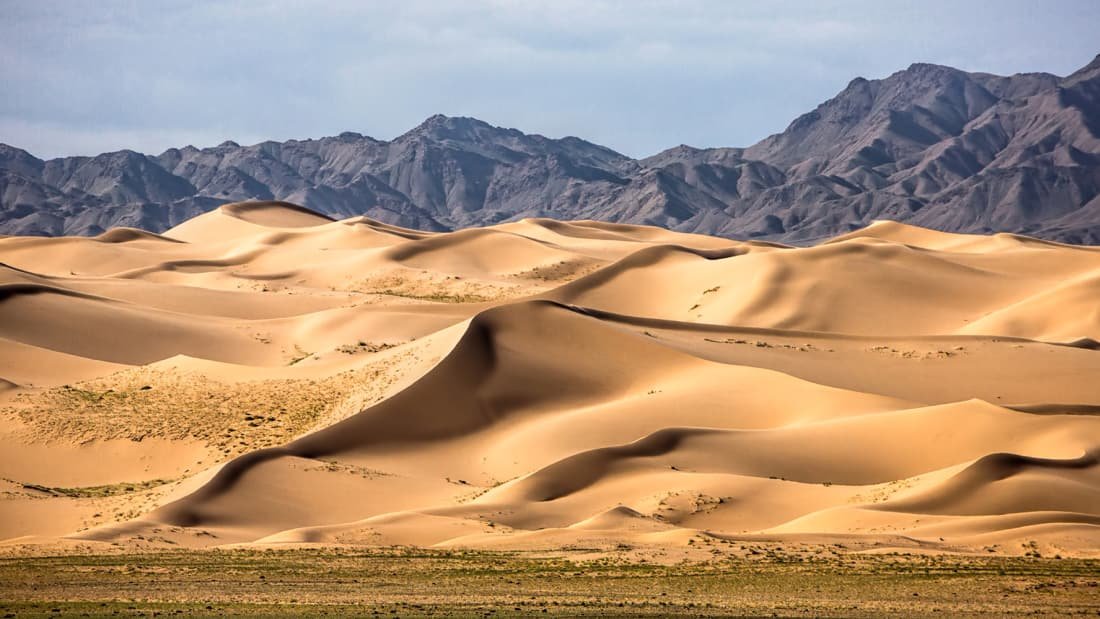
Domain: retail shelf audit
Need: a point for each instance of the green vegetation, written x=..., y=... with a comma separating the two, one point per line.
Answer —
x=361, y=346
x=299, y=355
x=438, y=297
x=763, y=580
x=100, y=491
x=230, y=417
x=93, y=397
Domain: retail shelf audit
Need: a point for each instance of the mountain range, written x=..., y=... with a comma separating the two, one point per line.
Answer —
x=930, y=145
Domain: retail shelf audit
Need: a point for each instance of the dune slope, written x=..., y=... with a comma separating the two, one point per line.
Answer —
x=263, y=375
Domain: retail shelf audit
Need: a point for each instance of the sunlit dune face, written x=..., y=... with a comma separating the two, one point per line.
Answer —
x=265, y=374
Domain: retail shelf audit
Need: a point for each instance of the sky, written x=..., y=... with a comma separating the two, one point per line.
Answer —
x=83, y=77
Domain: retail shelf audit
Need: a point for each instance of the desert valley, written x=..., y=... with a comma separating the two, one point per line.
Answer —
x=730, y=309
x=262, y=376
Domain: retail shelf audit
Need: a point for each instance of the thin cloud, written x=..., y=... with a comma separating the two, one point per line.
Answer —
x=85, y=77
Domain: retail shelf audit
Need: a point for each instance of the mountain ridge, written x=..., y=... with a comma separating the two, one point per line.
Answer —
x=929, y=145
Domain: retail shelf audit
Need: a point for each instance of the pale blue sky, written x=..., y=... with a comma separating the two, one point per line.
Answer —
x=82, y=77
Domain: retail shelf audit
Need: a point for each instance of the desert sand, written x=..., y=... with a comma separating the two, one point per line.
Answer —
x=263, y=375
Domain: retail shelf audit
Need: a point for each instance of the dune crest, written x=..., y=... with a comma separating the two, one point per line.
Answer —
x=262, y=374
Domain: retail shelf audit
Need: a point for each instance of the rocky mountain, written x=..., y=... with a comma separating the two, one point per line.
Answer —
x=930, y=145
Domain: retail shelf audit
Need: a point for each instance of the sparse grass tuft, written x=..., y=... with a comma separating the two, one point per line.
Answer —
x=439, y=297
x=230, y=417
x=613, y=581
x=100, y=491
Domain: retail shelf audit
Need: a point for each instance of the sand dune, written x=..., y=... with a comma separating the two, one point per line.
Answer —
x=262, y=374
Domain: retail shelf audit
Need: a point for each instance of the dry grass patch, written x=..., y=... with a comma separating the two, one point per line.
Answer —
x=232, y=418
x=418, y=582
x=564, y=270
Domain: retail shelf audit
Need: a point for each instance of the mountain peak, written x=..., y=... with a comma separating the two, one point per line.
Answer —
x=8, y=150
x=1086, y=72
x=19, y=161
x=901, y=147
x=925, y=72
x=441, y=121
x=928, y=67
x=124, y=155
x=459, y=128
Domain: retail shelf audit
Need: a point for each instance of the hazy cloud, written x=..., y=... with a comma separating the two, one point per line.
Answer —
x=84, y=77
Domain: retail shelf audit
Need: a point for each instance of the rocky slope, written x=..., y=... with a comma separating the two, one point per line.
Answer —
x=930, y=145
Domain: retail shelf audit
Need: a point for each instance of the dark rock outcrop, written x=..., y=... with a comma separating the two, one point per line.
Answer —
x=930, y=145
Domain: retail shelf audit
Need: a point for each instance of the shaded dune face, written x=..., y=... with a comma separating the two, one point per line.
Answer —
x=263, y=374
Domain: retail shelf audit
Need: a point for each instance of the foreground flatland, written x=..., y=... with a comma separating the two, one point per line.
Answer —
x=418, y=582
